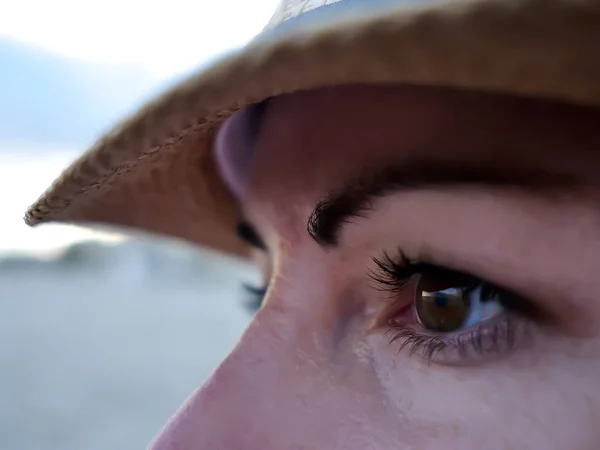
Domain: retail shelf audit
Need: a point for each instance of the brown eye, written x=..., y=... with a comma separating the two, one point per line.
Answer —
x=450, y=302
x=442, y=305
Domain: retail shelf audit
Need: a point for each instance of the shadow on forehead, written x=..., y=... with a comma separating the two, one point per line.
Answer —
x=514, y=142
x=496, y=125
x=467, y=129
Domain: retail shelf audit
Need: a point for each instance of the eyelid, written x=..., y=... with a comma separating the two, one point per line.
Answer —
x=540, y=249
x=394, y=274
x=397, y=275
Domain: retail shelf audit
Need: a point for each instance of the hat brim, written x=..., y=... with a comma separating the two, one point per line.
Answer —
x=155, y=172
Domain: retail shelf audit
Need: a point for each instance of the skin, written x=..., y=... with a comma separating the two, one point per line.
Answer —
x=315, y=368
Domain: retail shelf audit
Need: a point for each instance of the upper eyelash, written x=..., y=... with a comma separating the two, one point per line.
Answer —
x=394, y=274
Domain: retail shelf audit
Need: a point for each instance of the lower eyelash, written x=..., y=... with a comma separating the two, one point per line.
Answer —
x=496, y=336
x=416, y=342
x=256, y=295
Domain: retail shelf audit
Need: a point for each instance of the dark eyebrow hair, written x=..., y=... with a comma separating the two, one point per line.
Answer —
x=356, y=199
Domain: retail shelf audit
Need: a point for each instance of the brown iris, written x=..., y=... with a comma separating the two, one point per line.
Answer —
x=442, y=304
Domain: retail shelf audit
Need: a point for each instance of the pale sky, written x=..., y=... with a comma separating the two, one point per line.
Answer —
x=166, y=37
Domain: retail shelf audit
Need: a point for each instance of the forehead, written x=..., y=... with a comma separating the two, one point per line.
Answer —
x=309, y=141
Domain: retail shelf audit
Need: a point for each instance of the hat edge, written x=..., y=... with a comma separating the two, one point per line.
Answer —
x=249, y=62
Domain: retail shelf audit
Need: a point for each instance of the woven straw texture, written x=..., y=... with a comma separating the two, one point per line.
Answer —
x=155, y=171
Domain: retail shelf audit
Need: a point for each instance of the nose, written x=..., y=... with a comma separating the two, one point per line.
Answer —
x=241, y=404
x=291, y=382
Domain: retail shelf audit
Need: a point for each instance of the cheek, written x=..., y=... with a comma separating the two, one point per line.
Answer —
x=280, y=388
x=363, y=393
x=544, y=401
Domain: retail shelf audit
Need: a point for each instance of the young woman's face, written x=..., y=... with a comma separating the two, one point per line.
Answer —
x=432, y=261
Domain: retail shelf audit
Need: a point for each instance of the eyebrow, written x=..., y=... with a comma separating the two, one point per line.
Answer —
x=357, y=198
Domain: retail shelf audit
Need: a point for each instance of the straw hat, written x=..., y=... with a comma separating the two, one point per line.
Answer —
x=155, y=171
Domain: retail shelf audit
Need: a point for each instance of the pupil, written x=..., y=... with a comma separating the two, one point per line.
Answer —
x=442, y=306
x=440, y=299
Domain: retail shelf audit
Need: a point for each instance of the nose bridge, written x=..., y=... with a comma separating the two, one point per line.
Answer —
x=227, y=410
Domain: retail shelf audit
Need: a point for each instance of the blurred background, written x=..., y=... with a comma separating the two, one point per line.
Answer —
x=102, y=336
